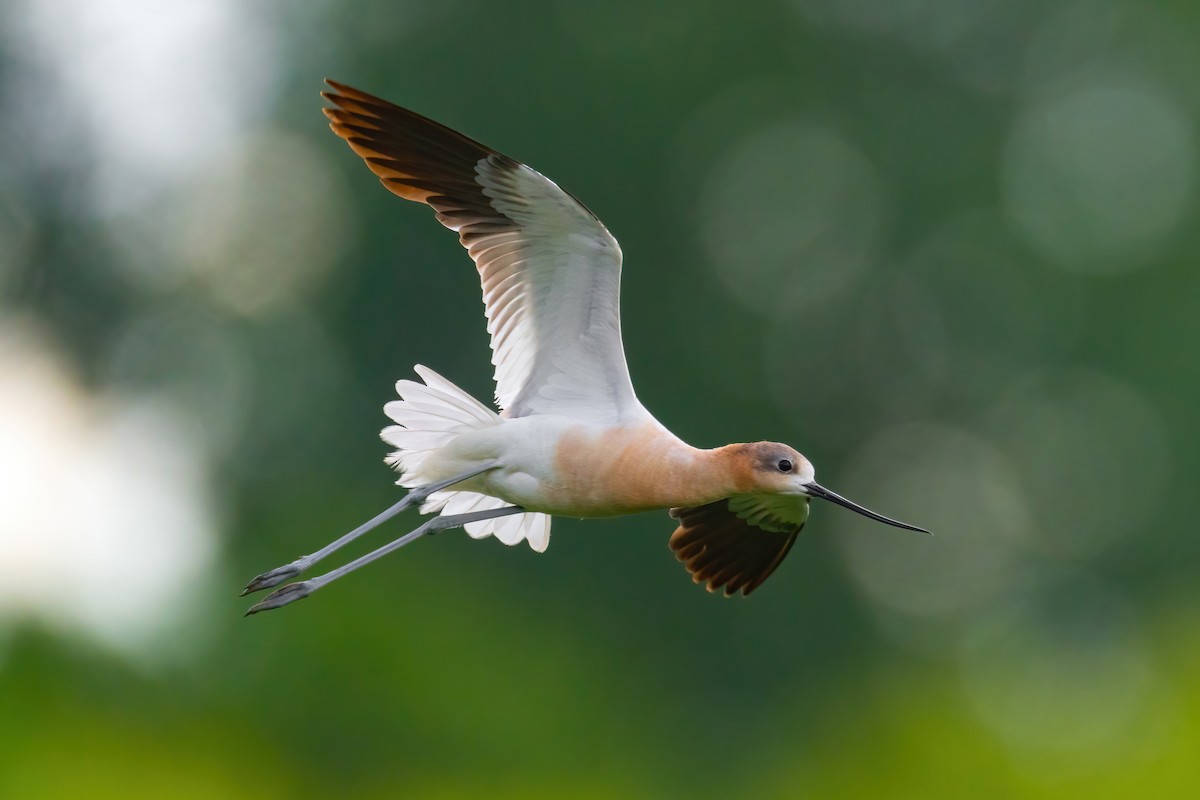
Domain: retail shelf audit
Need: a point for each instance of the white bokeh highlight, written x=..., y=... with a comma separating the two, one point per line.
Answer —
x=157, y=90
x=106, y=522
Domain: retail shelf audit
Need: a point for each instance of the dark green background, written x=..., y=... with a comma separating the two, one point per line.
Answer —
x=947, y=250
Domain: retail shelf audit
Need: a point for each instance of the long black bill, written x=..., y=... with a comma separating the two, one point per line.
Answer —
x=817, y=490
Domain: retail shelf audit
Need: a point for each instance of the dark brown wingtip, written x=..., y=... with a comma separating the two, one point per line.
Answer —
x=724, y=552
x=414, y=157
x=347, y=91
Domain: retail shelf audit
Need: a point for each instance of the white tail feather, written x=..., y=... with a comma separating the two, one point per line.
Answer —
x=428, y=417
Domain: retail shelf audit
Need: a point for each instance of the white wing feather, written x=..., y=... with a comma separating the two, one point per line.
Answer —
x=551, y=294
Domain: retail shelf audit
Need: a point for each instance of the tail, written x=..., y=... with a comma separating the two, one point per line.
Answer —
x=428, y=417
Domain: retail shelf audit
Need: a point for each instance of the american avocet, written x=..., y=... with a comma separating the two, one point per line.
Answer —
x=572, y=438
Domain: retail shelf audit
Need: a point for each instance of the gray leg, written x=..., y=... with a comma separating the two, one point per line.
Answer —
x=414, y=498
x=302, y=589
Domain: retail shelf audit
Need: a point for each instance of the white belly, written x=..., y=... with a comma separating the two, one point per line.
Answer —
x=523, y=450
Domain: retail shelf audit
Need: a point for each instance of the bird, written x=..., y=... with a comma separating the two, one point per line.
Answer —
x=571, y=437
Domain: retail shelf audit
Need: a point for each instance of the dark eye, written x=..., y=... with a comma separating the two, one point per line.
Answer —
x=785, y=465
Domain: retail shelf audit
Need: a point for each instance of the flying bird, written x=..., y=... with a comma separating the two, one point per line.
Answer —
x=571, y=438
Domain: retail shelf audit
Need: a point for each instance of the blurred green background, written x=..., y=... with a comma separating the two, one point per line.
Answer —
x=946, y=249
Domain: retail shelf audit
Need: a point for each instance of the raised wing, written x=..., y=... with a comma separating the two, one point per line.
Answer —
x=736, y=543
x=550, y=269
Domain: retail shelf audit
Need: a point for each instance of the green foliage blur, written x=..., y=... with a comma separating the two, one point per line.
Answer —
x=947, y=250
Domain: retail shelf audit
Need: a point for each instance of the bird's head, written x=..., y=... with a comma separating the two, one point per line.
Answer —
x=774, y=468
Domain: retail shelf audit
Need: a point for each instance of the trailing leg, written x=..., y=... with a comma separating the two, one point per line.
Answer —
x=302, y=589
x=414, y=498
